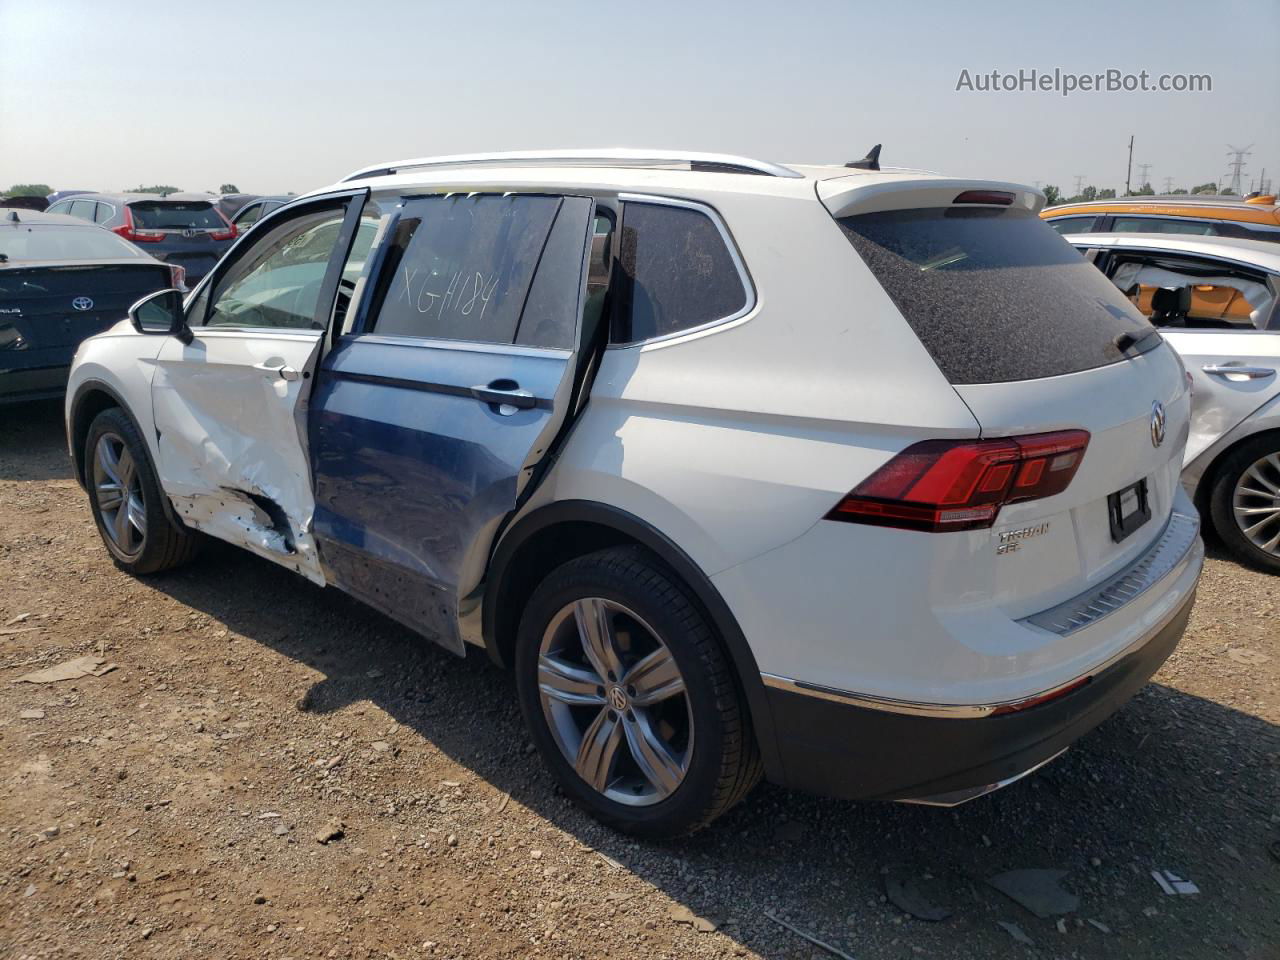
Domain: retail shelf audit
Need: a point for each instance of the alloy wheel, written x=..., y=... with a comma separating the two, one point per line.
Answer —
x=1256, y=504
x=118, y=490
x=615, y=701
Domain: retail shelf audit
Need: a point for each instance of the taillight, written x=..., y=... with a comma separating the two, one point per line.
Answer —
x=133, y=234
x=998, y=197
x=227, y=234
x=177, y=276
x=939, y=485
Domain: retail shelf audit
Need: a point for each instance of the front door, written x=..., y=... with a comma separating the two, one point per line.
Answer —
x=445, y=392
x=230, y=406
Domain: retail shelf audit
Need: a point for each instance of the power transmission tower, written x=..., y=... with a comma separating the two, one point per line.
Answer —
x=1236, y=166
x=1144, y=169
x=1080, y=183
x=1168, y=185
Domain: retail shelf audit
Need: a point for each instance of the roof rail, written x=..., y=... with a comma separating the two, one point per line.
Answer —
x=607, y=157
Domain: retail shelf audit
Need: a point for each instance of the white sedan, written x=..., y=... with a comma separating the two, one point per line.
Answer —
x=1215, y=300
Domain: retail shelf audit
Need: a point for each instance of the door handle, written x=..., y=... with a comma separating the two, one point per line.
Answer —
x=281, y=370
x=1233, y=370
x=504, y=396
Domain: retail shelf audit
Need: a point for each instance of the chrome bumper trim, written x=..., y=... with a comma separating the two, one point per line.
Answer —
x=1171, y=551
x=957, y=797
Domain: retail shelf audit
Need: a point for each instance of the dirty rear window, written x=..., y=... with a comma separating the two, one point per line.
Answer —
x=36, y=242
x=174, y=215
x=994, y=294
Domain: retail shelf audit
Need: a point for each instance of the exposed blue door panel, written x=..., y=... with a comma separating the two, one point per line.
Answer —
x=420, y=448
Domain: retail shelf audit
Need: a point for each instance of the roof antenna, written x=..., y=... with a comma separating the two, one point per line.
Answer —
x=13, y=215
x=870, y=162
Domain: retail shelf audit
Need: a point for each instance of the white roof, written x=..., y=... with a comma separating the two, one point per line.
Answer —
x=1263, y=254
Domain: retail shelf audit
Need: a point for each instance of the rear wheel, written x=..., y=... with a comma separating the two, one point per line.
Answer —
x=125, y=497
x=629, y=697
x=1245, y=502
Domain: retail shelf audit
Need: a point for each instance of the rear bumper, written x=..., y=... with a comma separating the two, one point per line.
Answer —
x=859, y=752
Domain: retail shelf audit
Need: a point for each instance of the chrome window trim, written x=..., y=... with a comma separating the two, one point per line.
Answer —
x=475, y=346
x=1181, y=218
x=744, y=276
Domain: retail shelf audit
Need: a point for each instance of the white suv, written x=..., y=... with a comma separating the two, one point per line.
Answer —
x=860, y=479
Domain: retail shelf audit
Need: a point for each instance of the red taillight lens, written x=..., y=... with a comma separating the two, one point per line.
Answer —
x=134, y=235
x=227, y=234
x=177, y=276
x=999, y=197
x=939, y=485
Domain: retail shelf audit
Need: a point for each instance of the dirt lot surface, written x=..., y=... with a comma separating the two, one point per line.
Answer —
x=170, y=808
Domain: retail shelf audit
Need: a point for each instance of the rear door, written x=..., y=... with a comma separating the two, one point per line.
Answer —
x=230, y=406
x=444, y=393
x=1226, y=338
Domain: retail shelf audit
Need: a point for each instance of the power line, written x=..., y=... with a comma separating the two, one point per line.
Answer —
x=1237, y=165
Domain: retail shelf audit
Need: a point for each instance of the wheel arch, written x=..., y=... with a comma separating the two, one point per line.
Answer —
x=1209, y=476
x=558, y=532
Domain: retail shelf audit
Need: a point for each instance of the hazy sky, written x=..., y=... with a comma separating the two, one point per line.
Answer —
x=280, y=95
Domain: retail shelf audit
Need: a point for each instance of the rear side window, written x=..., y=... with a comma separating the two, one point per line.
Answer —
x=993, y=294
x=82, y=209
x=675, y=273
x=459, y=267
x=103, y=213
x=174, y=215
x=1163, y=225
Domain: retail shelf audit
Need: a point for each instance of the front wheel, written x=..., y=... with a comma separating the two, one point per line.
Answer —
x=1244, y=502
x=124, y=495
x=629, y=697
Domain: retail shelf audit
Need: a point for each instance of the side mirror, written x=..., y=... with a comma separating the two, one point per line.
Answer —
x=161, y=314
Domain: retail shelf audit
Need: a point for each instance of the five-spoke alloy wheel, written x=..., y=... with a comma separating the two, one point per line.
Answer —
x=126, y=499
x=630, y=697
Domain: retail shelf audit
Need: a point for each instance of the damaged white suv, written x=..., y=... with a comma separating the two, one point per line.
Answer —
x=859, y=479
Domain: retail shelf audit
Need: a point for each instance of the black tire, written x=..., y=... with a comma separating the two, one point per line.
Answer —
x=723, y=761
x=163, y=545
x=1226, y=476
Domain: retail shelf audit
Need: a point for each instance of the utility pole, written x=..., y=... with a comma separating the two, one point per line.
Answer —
x=1144, y=178
x=1129, y=172
x=1168, y=186
x=1080, y=183
x=1236, y=166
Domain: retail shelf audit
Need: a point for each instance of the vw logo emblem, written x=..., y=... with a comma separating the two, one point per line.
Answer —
x=82, y=303
x=618, y=699
x=1157, y=423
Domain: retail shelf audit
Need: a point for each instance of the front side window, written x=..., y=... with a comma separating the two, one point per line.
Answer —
x=675, y=273
x=277, y=281
x=1065, y=225
x=1201, y=228
x=459, y=267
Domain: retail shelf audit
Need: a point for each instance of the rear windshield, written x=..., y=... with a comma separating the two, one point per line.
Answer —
x=174, y=215
x=41, y=242
x=995, y=295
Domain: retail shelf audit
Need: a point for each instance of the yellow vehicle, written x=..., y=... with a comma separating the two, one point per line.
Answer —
x=1255, y=218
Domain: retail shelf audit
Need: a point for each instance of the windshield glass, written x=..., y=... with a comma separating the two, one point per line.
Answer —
x=173, y=215
x=48, y=242
x=995, y=294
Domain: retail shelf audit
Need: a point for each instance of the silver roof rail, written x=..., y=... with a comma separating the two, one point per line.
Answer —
x=608, y=157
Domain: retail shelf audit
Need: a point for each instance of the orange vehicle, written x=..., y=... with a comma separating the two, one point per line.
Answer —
x=1254, y=218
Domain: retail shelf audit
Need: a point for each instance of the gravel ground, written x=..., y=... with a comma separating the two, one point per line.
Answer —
x=170, y=808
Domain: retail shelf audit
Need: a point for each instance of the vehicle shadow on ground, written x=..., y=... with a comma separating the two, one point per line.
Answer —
x=33, y=444
x=1153, y=787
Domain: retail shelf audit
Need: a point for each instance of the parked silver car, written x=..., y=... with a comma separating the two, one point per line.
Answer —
x=1215, y=299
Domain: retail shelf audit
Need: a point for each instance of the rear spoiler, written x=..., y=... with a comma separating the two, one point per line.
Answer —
x=849, y=196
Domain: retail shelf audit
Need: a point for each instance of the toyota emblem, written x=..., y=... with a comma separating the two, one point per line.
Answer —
x=82, y=303
x=1157, y=423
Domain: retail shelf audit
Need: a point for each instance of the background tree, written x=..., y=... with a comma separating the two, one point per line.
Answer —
x=1052, y=195
x=1181, y=191
x=228, y=188
x=163, y=189
x=30, y=190
x=1205, y=188
x=1107, y=194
